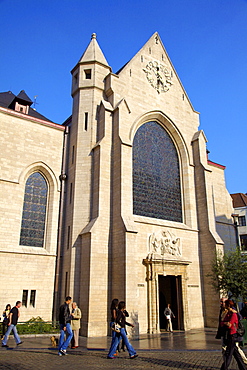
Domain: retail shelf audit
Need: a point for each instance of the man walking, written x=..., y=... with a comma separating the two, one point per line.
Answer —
x=64, y=321
x=13, y=319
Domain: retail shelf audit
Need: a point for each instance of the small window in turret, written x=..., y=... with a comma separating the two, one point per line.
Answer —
x=88, y=74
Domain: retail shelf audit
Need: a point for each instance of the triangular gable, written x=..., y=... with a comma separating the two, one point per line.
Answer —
x=156, y=67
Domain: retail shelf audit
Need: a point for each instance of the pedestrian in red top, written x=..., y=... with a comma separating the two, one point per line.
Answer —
x=230, y=324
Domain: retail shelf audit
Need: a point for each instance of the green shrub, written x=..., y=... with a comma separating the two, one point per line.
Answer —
x=36, y=325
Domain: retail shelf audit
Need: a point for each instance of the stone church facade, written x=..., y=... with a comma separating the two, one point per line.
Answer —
x=135, y=210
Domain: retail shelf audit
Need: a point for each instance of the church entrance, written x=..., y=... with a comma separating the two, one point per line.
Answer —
x=170, y=291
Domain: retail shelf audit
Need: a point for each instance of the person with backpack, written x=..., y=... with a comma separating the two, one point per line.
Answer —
x=229, y=326
x=221, y=330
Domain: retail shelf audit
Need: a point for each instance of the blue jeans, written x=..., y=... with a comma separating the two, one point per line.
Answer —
x=11, y=327
x=115, y=338
x=114, y=345
x=64, y=344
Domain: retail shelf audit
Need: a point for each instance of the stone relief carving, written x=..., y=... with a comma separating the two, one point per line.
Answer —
x=164, y=242
x=158, y=76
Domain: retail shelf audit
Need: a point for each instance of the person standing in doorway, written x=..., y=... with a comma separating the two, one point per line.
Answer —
x=13, y=319
x=65, y=327
x=169, y=315
x=75, y=325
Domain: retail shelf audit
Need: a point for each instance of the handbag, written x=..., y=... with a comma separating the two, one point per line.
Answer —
x=115, y=327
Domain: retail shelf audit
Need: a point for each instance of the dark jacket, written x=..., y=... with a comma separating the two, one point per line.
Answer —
x=244, y=312
x=121, y=315
x=64, y=314
x=168, y=311
x=221, y=331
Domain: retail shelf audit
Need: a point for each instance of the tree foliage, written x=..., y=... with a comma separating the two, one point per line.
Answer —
x=229, y=274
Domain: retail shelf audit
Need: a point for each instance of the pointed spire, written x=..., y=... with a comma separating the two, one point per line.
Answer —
x=93, y=52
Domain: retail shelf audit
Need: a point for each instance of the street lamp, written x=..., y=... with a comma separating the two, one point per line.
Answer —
x=235, y=223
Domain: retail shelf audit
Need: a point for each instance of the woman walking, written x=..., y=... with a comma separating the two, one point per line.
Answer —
x=121, y=321
x=5, y=322
x=115, y=335
x=230, y=325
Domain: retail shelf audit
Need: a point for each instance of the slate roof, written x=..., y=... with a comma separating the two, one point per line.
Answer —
x=239, y=200
x=23, y=96
x=7, y=100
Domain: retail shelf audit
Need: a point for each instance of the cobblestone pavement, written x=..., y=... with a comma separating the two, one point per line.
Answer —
x=194, y=349
x=25, y=359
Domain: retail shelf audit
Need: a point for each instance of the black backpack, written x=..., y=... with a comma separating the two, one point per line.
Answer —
x=240, y=329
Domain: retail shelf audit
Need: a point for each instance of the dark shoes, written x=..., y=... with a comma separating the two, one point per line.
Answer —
x=134, y=356
x=19, y=343
x=4, y=345
x=62, y=352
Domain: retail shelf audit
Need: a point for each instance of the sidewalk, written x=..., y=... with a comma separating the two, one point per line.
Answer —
x=194, y=349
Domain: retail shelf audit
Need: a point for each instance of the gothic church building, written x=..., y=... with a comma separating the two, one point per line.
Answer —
x=120, y=201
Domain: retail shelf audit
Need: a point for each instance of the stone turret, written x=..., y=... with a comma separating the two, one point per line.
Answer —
x=91, y=69
x=84, y=184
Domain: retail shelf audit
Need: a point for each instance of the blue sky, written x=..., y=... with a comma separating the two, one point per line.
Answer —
x=41, y=41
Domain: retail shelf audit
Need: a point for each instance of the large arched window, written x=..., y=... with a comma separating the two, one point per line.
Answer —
x=156, y=174
x=34, y=211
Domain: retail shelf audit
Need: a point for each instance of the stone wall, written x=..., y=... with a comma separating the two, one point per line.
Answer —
x=28, y=145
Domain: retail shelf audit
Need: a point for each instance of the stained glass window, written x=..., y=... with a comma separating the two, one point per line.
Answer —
x=34, y=211
x=156, y=174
